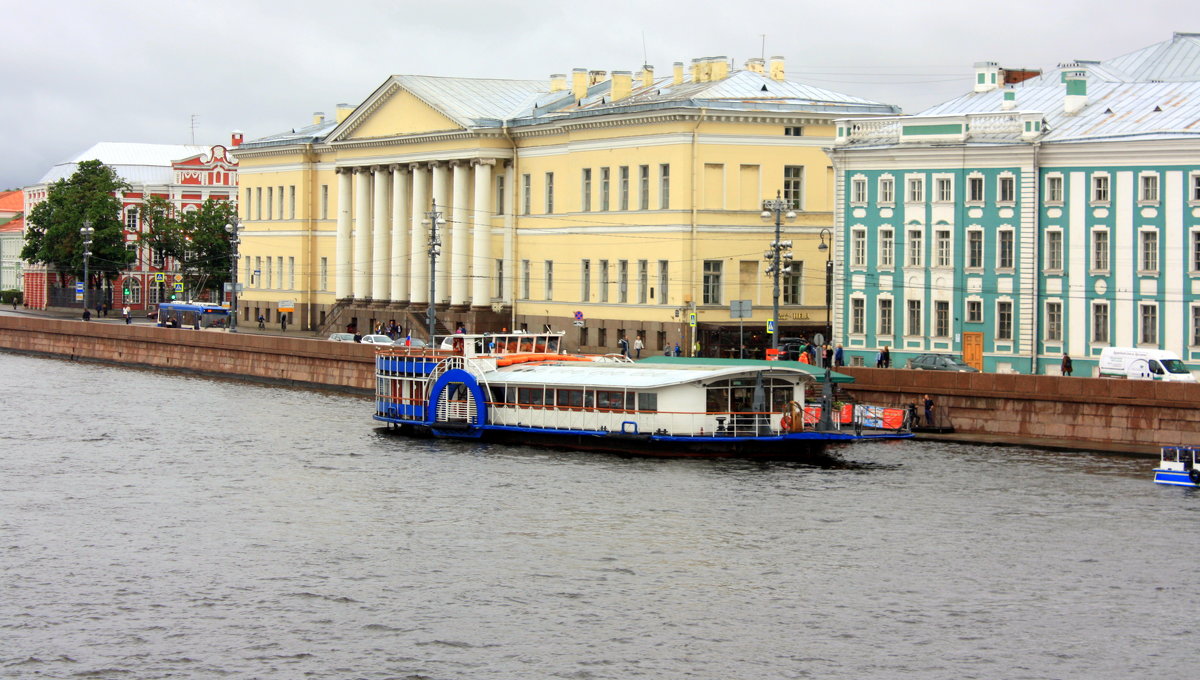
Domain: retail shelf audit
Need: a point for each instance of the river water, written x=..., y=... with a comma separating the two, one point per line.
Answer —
x=158, y=526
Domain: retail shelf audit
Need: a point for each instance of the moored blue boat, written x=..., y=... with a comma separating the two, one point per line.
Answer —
x=1179, y=466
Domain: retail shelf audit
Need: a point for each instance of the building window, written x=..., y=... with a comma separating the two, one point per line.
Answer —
x=131, y=220
x=974, y=311
x=270, y=203
x=279, y=269
x=499, y=194
x=712, y=282
x=643, y=280
x=1149, y=189
x=1100, y=322
x=887, y=190
x=604, y=184
x=1054, y=322
x=1004, y=320
x=1195, y=325
x=915, y=256
x=1100, y=250
x=281, y=202
x=135, y=291
x=258, y=203
x=292, y=202
x=291, y=273
x=249, y=202
x=499, y=278
x=622, y=281
x=324, y=201
x=1054, y=189
x=945, y=190
x=791, y=284
x=858, y=248
x=975, y=190
x=525, y=289
x=941, y=318
x=585, y=191
x=623, y=188
x=858, y=190
x=794, y=131
x=887, y=248
x=1054, y=250
x=644, y=187
x=914, y=318
x=1149, y=251
x=793, y=186
x=1005, y=249
x=549, y=193
x=1149, y=316
x=585, y=275
x=604, y=280
x=549, y=279
x=323, y=280
x=916, y=190
x=270, y=275
x=1100, y=189
x=663, y=277
x=664, y=186
x=885, y=316
x=527, y=193
x=1196, y=188
x=1007, y=190
x=858, y=314
x=942, y=237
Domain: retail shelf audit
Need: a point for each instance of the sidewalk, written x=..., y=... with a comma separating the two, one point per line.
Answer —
x=114, y=317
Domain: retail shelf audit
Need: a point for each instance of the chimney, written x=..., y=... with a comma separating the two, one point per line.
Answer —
x=647, y=75
x=318, y=117
x=695, y=70
x=1010, y=99
x=235, y=139
x=622, y=85
x=678, y=73
x=756, y=65
x=558, y=82
x=344, y=111
x=579, y=83
x=777, y=68
x=595, y=77
x=1075, y=76
x=719, y=68
x=987, y=76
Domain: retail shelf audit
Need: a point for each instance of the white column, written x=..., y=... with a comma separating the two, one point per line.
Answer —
x=380, y=269
x=341, y=255
x=400, y=198
x=510, y=230
x=441, y=196
x=418, y=289
x=362, y=233
x=481, y=248
x=460, y=219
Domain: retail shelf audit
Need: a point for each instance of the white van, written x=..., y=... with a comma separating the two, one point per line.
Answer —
x=1143, y=364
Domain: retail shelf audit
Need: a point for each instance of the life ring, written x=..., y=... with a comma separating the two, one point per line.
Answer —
x=1194, y=475
x=785, y=423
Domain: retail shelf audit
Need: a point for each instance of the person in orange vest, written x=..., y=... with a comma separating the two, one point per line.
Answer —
x=804, y=358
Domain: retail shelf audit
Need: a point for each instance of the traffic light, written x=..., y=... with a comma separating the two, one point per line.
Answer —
x=172, y=296
x=126, y=291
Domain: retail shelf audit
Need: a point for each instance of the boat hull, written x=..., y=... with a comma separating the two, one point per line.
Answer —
x=1174, y=477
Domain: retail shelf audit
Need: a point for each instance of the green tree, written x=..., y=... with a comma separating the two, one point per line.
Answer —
x=52, y=236
x=207, y=255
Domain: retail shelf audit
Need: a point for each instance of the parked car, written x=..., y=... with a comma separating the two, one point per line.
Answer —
x=940, y=362
x=375, y=339
x=409, y=342
x=342, y=337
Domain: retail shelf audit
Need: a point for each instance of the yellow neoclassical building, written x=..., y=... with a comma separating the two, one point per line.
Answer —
x=608, y=205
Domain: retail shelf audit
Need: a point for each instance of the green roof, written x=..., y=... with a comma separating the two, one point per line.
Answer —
x=817, y=373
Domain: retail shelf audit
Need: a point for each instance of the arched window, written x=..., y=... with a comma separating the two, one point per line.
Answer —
x=132, y=291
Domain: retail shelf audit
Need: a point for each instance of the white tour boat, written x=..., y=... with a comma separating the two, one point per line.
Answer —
x=523, y=388
x=1180, y=466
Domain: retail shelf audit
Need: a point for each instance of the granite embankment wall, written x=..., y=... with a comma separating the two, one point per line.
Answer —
x=1097, y=413
x=303, y=362
x=1136, y=416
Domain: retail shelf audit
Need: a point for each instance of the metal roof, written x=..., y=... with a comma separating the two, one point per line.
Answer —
x=639, y=375
x=135, y=163
x=476, y=102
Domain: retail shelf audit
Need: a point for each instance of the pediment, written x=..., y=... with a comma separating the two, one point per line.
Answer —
x=392, y=113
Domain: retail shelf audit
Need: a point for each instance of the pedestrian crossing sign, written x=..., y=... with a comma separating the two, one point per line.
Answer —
x=770, y=325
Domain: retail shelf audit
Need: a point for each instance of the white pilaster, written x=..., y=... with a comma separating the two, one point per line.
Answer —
x=400, y=199
x=460, y=219
x=510, y=227
x=362, y=233
x=441, y=196
x=380, y=269
x=341, y=255
x=418, y=291
x=481, y=248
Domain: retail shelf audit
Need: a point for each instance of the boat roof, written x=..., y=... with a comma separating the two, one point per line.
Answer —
x=639, y=375
x=748, y=364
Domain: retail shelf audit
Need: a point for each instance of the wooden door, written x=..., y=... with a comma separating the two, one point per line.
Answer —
x=972, y=349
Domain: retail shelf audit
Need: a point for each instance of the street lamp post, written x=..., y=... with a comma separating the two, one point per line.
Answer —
x=777, y=208
x=433, y=218
x=86, y=232
x=826, y=422
x=233, y=228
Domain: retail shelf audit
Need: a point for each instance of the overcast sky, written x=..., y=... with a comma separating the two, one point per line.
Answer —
x=77, y=72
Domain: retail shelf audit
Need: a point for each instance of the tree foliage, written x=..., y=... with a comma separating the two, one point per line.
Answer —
x=52, y=234
x=196, y=239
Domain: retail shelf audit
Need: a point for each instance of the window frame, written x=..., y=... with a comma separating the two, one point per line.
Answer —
x=1054, y=189
x=1100, y=188
x=885, y=320
x=1004, y=320
x=1006, y=189
x=1100, y=322
x=887, y=190
x=711, y=282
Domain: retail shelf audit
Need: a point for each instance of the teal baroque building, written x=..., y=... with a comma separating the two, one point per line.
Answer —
x=1039, y=215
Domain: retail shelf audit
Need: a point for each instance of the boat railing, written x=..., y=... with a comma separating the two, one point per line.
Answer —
x=673, y=423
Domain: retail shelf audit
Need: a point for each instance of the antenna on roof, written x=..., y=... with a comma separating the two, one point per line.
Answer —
x=763, y=55
x=194, y=117
x=645, y=58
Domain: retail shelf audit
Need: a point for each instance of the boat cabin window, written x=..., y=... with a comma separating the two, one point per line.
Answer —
x=498, y=395
x=570, y=398
x=610, y=399
x=529, y=396
x=737, y=395
x=647, y=401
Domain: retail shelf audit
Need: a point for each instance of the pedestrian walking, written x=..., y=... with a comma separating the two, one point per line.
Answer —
x=678, y=352
x=1067, y=368
x=87, y=315
x=623, y=344
x=886, y=357
x=638, y=346
x=125, y=312
x=839, y=356
x=928, y=411
x=262, y=322
x=283, y=323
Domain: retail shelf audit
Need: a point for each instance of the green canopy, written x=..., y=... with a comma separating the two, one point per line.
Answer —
x=817, y=373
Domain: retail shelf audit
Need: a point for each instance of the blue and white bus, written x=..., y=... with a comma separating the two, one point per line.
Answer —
x=196, y=315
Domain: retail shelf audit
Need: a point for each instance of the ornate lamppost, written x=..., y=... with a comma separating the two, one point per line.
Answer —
x=434, y=219
x=86, y=232
x=779, y=255
x=233, y=228
x=826, y=422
